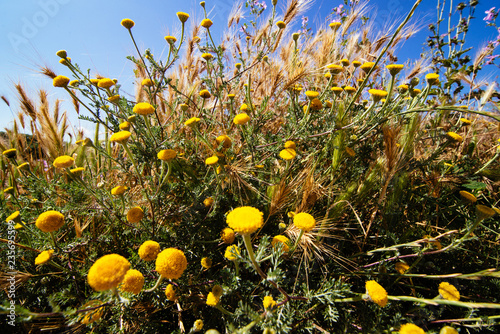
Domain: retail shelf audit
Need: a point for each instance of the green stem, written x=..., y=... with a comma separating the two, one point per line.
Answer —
x=158, y=282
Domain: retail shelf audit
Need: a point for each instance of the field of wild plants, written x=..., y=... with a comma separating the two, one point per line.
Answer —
x=271, y=181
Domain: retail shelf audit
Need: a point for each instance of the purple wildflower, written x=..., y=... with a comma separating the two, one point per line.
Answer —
x=490, y=14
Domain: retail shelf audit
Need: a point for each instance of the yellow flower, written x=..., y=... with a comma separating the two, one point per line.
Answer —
x=350, y=89
x=125, y=126
x=205, y=94
x=206, y=263
x=411, y=329
x=448, y=330
x=207, y=202
x=207, y=57
x=183, y=17
x=448, y=291
x=337, y=90
x=10, y=153
x=171, y=263
x=105, y=83
x=468, y=196
x=484, y=212
x=120, y=137
x=328, y=75
x=127, y=23
x=231, y=96
x=149, y=250
x=344, y=62
x=316, y=104
x=167, y=155
x=224, y=140
x=268, y=302
x=170, y=293
x=143, y=108
x=50, y=221
x=135, y=215
x=376, y=293
x=217, y=290
x=62, y=54
x=60, y=81
x=414, y=92
x=211, y=160
x=94, y=81
x=288, y=154
x=465, y=121
x=77, y=171
x=198, y=325
x=377, y=94
x=432, y=78
x=212, y=300
x=232, y=252
x=334, y=68
x=245, y=219
x=114, y=98
x=454, y=136
x=147, y=82
x=192, y=121
x=64, y=161
x=282, y=240
x=356, y=63
x=107, y=272
x=244, y=107
x=206, y=23
x=281, y=24
x=311, y=94
x=395, y=68
x=241, y=119
x=132, y=282
x=304, y=221
x=44, y=257
x=335, y=25
x=402, y=267
x=403, y=88
x=227, y=235
x=170, y=39
x=290, y=144
x=366, y=67
x=119, y=190
x=94, y=314
x=15, y=217
x=184, y=107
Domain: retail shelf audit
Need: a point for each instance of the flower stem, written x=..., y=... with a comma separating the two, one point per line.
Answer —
x=158, y=282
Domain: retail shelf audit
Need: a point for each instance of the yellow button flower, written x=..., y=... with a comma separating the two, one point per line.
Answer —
x=44, y=257
x=64, y=161
x=376, y=293
x=60, y=81
x=171, y=263
x=107, y=272
x=50, y=221
x=135, y=215
x=304, y=221
x=132, y=282
x=143, y=108
x=245, y=219
x=149, y=250
x=167, y=155
x=227, y=235
x=241, y=119
x=448, y=291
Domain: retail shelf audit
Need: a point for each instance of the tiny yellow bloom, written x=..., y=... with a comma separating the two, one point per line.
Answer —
x=227, y=235
x=207, y=56
x=288, y=154
x=290, y=144
x=205, y=94
x=125, y=126
x=60, y=81
x=356, y=63
x=183, y=17
x=170, y=293
x=432, y=78
x=206, y=23
x=241, y=119
x=232, y=252
x=170, y=39
x=206, y=263
x=366, y=67
x=281, y=24
x=312, y=94
x=376, y=293
x=334, y=68
x=401, y=267
x=337, y=90
x=465, y=121
x=192, y=121
x=143, y=108
x=304, y=221
x=207, y=202
x=268, y=302
x=448, y=291
x=281, y=240
x=105, y=83
x=335, y=25
x=147, y=82
x=211, y=160
x=119, y=190
x=350, y=89
x=120, y=137
x=377, y=94
x=44, y=257
x=454, y=136
x=127, y=23
x=135, y=215
x=411, y=329
x=63, y=161
x=395, y=68
x=167, y=155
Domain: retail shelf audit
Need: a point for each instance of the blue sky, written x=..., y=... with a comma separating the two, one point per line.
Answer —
x=32, y=31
